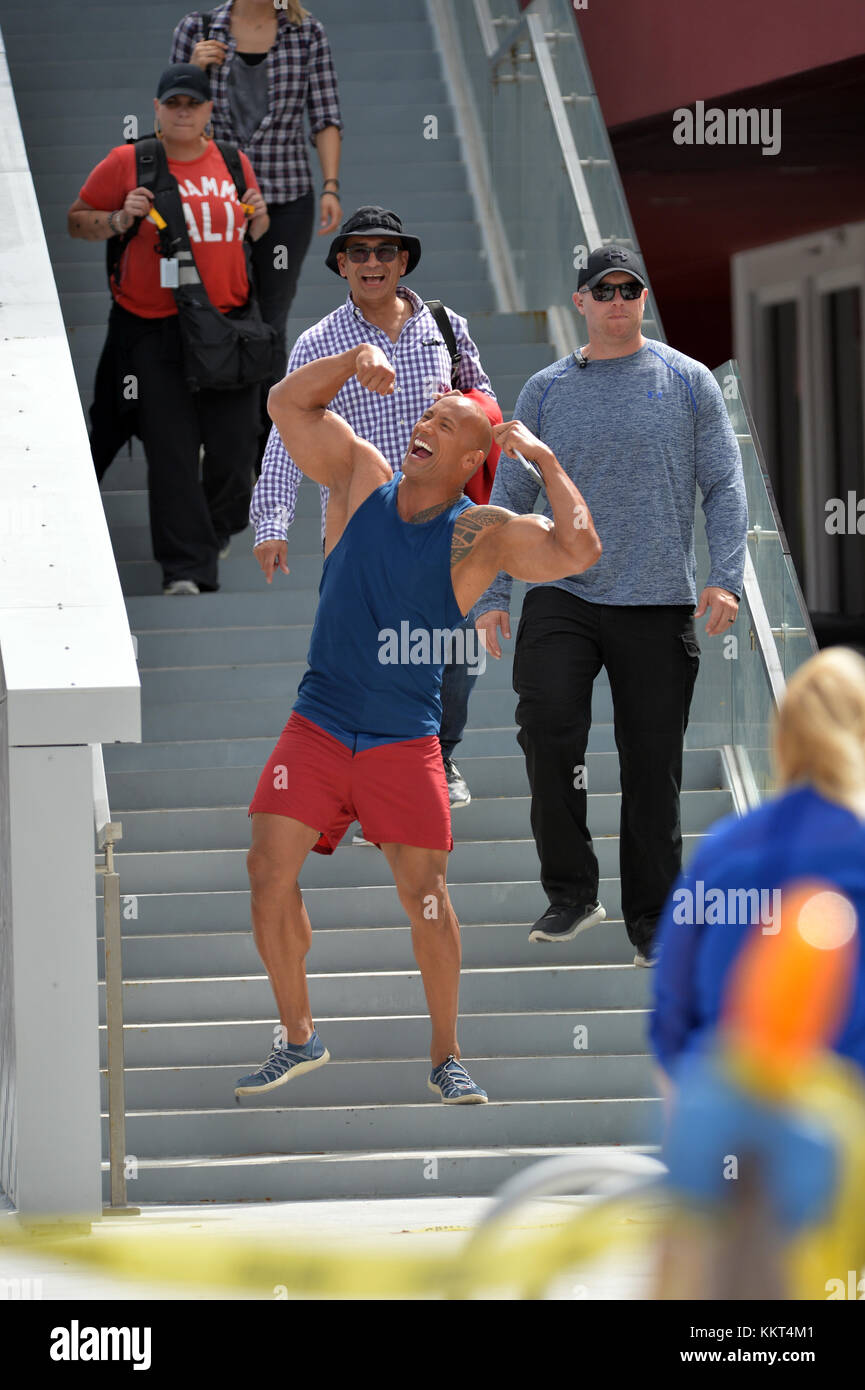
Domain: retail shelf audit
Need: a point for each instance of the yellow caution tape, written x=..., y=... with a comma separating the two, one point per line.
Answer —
x=273, y=1269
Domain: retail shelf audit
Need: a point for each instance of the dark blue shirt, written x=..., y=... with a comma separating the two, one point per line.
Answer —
x=385, y=614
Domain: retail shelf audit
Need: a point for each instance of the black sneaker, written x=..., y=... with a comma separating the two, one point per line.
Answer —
x=458, y=792
x=562, y=921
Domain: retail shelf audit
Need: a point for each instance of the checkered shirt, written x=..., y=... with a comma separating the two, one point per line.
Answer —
x=423, y=367
x=301, y=78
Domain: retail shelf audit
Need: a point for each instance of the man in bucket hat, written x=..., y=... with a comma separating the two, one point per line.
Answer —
x=373, y=252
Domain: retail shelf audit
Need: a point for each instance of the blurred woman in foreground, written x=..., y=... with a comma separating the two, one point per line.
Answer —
x=766, y=1128
x=814, y=828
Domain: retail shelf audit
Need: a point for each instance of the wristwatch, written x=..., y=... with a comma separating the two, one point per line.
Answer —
x=111, y=217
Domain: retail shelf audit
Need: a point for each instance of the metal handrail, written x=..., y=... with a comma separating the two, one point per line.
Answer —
x=108, y=832
x=501, y=38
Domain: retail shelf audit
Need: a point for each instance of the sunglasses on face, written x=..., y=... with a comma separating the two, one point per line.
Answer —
x=387, y=253
x=631, y=289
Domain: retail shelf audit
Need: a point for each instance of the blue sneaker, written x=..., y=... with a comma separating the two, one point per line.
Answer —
x=451, y=1081
x=282, y=1064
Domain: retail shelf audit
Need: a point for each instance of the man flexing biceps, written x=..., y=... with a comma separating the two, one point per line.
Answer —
x=361, y=740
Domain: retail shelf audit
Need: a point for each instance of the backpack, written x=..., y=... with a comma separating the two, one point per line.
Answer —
x=221, y=351
x=479, y=487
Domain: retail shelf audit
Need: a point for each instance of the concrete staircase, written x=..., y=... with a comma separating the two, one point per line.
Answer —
x=555, y=1034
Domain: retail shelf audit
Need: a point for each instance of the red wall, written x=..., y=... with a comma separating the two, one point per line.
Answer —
x=648, y=56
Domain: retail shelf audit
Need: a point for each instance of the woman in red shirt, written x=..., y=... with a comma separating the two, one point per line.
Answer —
x=191, y=519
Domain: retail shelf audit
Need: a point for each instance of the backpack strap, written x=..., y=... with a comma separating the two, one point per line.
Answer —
x=231, y=155
x=445, y=327
x=145, y=176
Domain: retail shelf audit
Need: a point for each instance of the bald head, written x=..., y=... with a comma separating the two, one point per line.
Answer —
x=475, y=431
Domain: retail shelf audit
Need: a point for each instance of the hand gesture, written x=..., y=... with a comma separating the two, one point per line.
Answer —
x=488, y=624
x=254, y=198
x=723, y=607
x=374, y=371
x=271, y=557
x=329, y=213
x=136, y=204
x=511, y=435
x=210, y=52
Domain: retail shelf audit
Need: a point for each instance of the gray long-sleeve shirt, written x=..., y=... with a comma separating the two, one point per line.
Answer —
x=636, y=434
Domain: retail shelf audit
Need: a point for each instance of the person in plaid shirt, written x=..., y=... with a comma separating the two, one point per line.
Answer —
x=269, y=68
x=373, y=252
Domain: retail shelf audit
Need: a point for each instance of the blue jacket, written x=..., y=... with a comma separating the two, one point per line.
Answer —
x=709, y=912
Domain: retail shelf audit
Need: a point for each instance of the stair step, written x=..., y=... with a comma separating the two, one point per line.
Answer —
x=493, y=944
x=432, y=1126
x=399, y=1082
x=389, y=993
x=505, y=776
x=488, y=1035
x=451, y=1172
x=352, y=866
x=485, y=818
x=372, y=905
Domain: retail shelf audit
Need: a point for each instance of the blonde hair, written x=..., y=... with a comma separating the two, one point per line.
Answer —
x=819, y=728
x=295, y=13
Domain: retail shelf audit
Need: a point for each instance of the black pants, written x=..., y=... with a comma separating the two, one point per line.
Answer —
x=651, y=655
x=458, y=682
x=276, y=259
x=192, y=509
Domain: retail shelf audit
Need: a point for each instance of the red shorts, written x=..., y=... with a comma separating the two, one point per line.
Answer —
x=397, y=791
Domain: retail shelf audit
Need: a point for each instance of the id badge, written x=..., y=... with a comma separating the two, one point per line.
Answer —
x=169, y=277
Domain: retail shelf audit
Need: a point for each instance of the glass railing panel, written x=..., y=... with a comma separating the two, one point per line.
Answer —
x=535, y=197
x=767, y=545
x=753, y=703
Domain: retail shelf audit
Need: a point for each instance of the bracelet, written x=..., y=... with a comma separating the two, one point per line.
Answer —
x=327, y=181
x=329, y=193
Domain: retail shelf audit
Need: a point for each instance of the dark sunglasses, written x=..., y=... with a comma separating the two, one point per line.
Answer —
x=631, y=289
x=387, y=253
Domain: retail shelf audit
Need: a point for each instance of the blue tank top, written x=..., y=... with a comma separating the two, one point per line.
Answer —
x=386, y=609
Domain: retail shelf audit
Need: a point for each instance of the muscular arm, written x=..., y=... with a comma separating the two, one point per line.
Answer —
x=489, y=539
x=322, y=444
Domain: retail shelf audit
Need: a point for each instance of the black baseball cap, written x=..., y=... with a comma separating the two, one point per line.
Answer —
x=606, y=259
x=184, y=80
x=373, y=221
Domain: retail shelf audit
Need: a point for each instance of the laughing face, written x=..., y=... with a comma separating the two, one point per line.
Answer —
x=449, y=441
x=372, y=282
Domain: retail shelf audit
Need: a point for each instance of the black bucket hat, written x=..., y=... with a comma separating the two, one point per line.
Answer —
x=373, y=221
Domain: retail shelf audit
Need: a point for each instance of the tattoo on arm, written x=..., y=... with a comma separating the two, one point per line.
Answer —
x=469, y=525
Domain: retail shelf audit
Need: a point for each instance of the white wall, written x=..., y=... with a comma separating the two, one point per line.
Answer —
x=68, y=664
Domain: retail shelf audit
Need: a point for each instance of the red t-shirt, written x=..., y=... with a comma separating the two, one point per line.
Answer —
x=215, y=222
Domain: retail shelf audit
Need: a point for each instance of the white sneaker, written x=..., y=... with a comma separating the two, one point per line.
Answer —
x=357, y=839
x=647, y=961
x=225, y=551
x=181, y=586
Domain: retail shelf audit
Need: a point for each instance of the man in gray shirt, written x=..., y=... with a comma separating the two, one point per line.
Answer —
x=637, y=426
